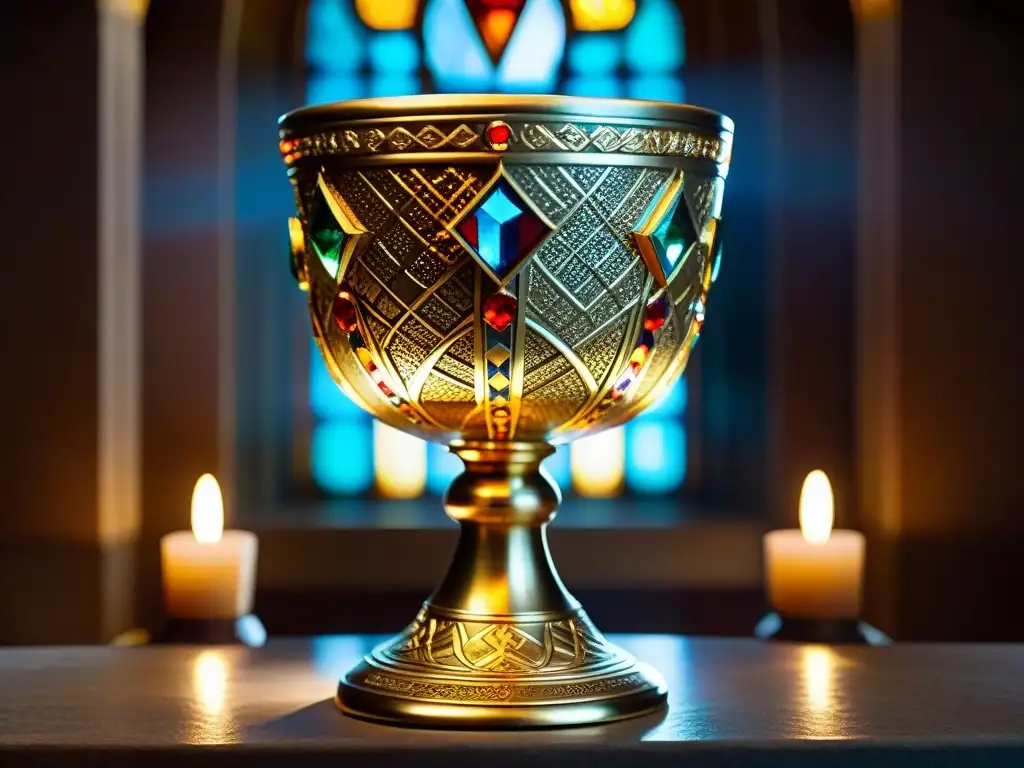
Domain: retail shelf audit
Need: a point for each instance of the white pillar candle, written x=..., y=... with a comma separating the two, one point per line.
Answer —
x=208, y=573
x=815, y=572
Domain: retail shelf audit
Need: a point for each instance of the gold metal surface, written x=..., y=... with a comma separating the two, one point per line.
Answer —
x=577, y=332
x=501, y=643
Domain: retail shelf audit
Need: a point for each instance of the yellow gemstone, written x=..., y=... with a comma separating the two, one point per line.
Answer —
x=498, y=354
x=499, y=380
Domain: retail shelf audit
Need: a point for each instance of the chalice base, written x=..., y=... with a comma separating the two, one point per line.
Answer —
x=500, y=644
x=498, y=673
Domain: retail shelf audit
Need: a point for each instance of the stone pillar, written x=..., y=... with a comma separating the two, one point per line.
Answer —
x=939, y=352
x=70, y=320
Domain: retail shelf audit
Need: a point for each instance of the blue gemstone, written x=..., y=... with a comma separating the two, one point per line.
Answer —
x=502, y=230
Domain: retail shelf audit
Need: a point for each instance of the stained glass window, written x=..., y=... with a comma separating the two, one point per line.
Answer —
x=361, y=48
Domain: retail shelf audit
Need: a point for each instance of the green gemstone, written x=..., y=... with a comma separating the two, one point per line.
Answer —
x=674, y=235
x=325, y=235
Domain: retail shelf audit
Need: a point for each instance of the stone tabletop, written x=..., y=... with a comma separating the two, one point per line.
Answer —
x=732, y=702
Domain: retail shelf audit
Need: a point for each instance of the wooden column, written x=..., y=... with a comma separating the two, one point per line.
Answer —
x=940, y=363
x=70, y=320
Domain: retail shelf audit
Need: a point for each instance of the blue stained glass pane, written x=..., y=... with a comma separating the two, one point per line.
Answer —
x=557, y=465
x=322, y=87
x=326, y=397
x=533, y=57
x=452, y=48
x=341, y=457
x=332, y=655
x=442, y=467
x=334, y=42
x=593, y=86
x=655, y=456
x=657, y=88
x=593, y=54
x=394, y=53
x=672, y=403
x=394, y=85
x=654, y=41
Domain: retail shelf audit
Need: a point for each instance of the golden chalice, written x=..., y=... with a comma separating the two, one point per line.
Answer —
x=499, y=274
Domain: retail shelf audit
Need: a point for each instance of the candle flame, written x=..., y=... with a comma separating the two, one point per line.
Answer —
x=207, y=510
x=817, y=508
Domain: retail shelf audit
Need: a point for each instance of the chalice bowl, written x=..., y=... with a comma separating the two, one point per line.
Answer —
x=501, y=274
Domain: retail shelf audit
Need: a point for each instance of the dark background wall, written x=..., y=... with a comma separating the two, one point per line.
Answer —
x=894, y=362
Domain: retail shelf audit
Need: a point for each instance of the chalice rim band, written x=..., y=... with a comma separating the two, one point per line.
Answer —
x=481, y=106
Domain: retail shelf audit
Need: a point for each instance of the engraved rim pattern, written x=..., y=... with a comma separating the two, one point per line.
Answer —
x=526, y=136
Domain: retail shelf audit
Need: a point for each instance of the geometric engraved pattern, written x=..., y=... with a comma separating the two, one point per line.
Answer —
x=422, y=294
x=398, y=277
x=446, y=137
x=548, y=647
x=499, y=661
x=508, y=691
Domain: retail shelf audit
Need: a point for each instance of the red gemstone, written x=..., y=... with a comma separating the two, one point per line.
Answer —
x=657, y=313
x=470, y=231
x=498, y=134
x=344, y=312
x=636, y=360
x=500, y=310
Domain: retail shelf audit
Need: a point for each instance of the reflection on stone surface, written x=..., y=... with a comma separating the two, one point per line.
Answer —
x=817, y=677
x=212, y=722
x=820, y=694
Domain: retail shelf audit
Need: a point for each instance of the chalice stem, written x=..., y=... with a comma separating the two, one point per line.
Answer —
x=502, y=567
x=501, y=643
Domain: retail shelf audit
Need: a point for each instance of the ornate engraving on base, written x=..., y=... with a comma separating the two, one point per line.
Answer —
x=463, y=661
x=499, y=647
x=506, y=692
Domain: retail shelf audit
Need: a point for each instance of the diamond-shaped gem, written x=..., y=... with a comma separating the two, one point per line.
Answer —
x=497, y=354
x=666, y=232
x=501, y=230
x=500, y=412
x=325, y=234
x=673, y=236
x=499, y=380
x=333, y=236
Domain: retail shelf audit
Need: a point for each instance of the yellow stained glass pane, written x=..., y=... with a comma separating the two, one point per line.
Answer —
x=387, y=14
x=601, y=15
x=598, y=464
x=399, y=463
